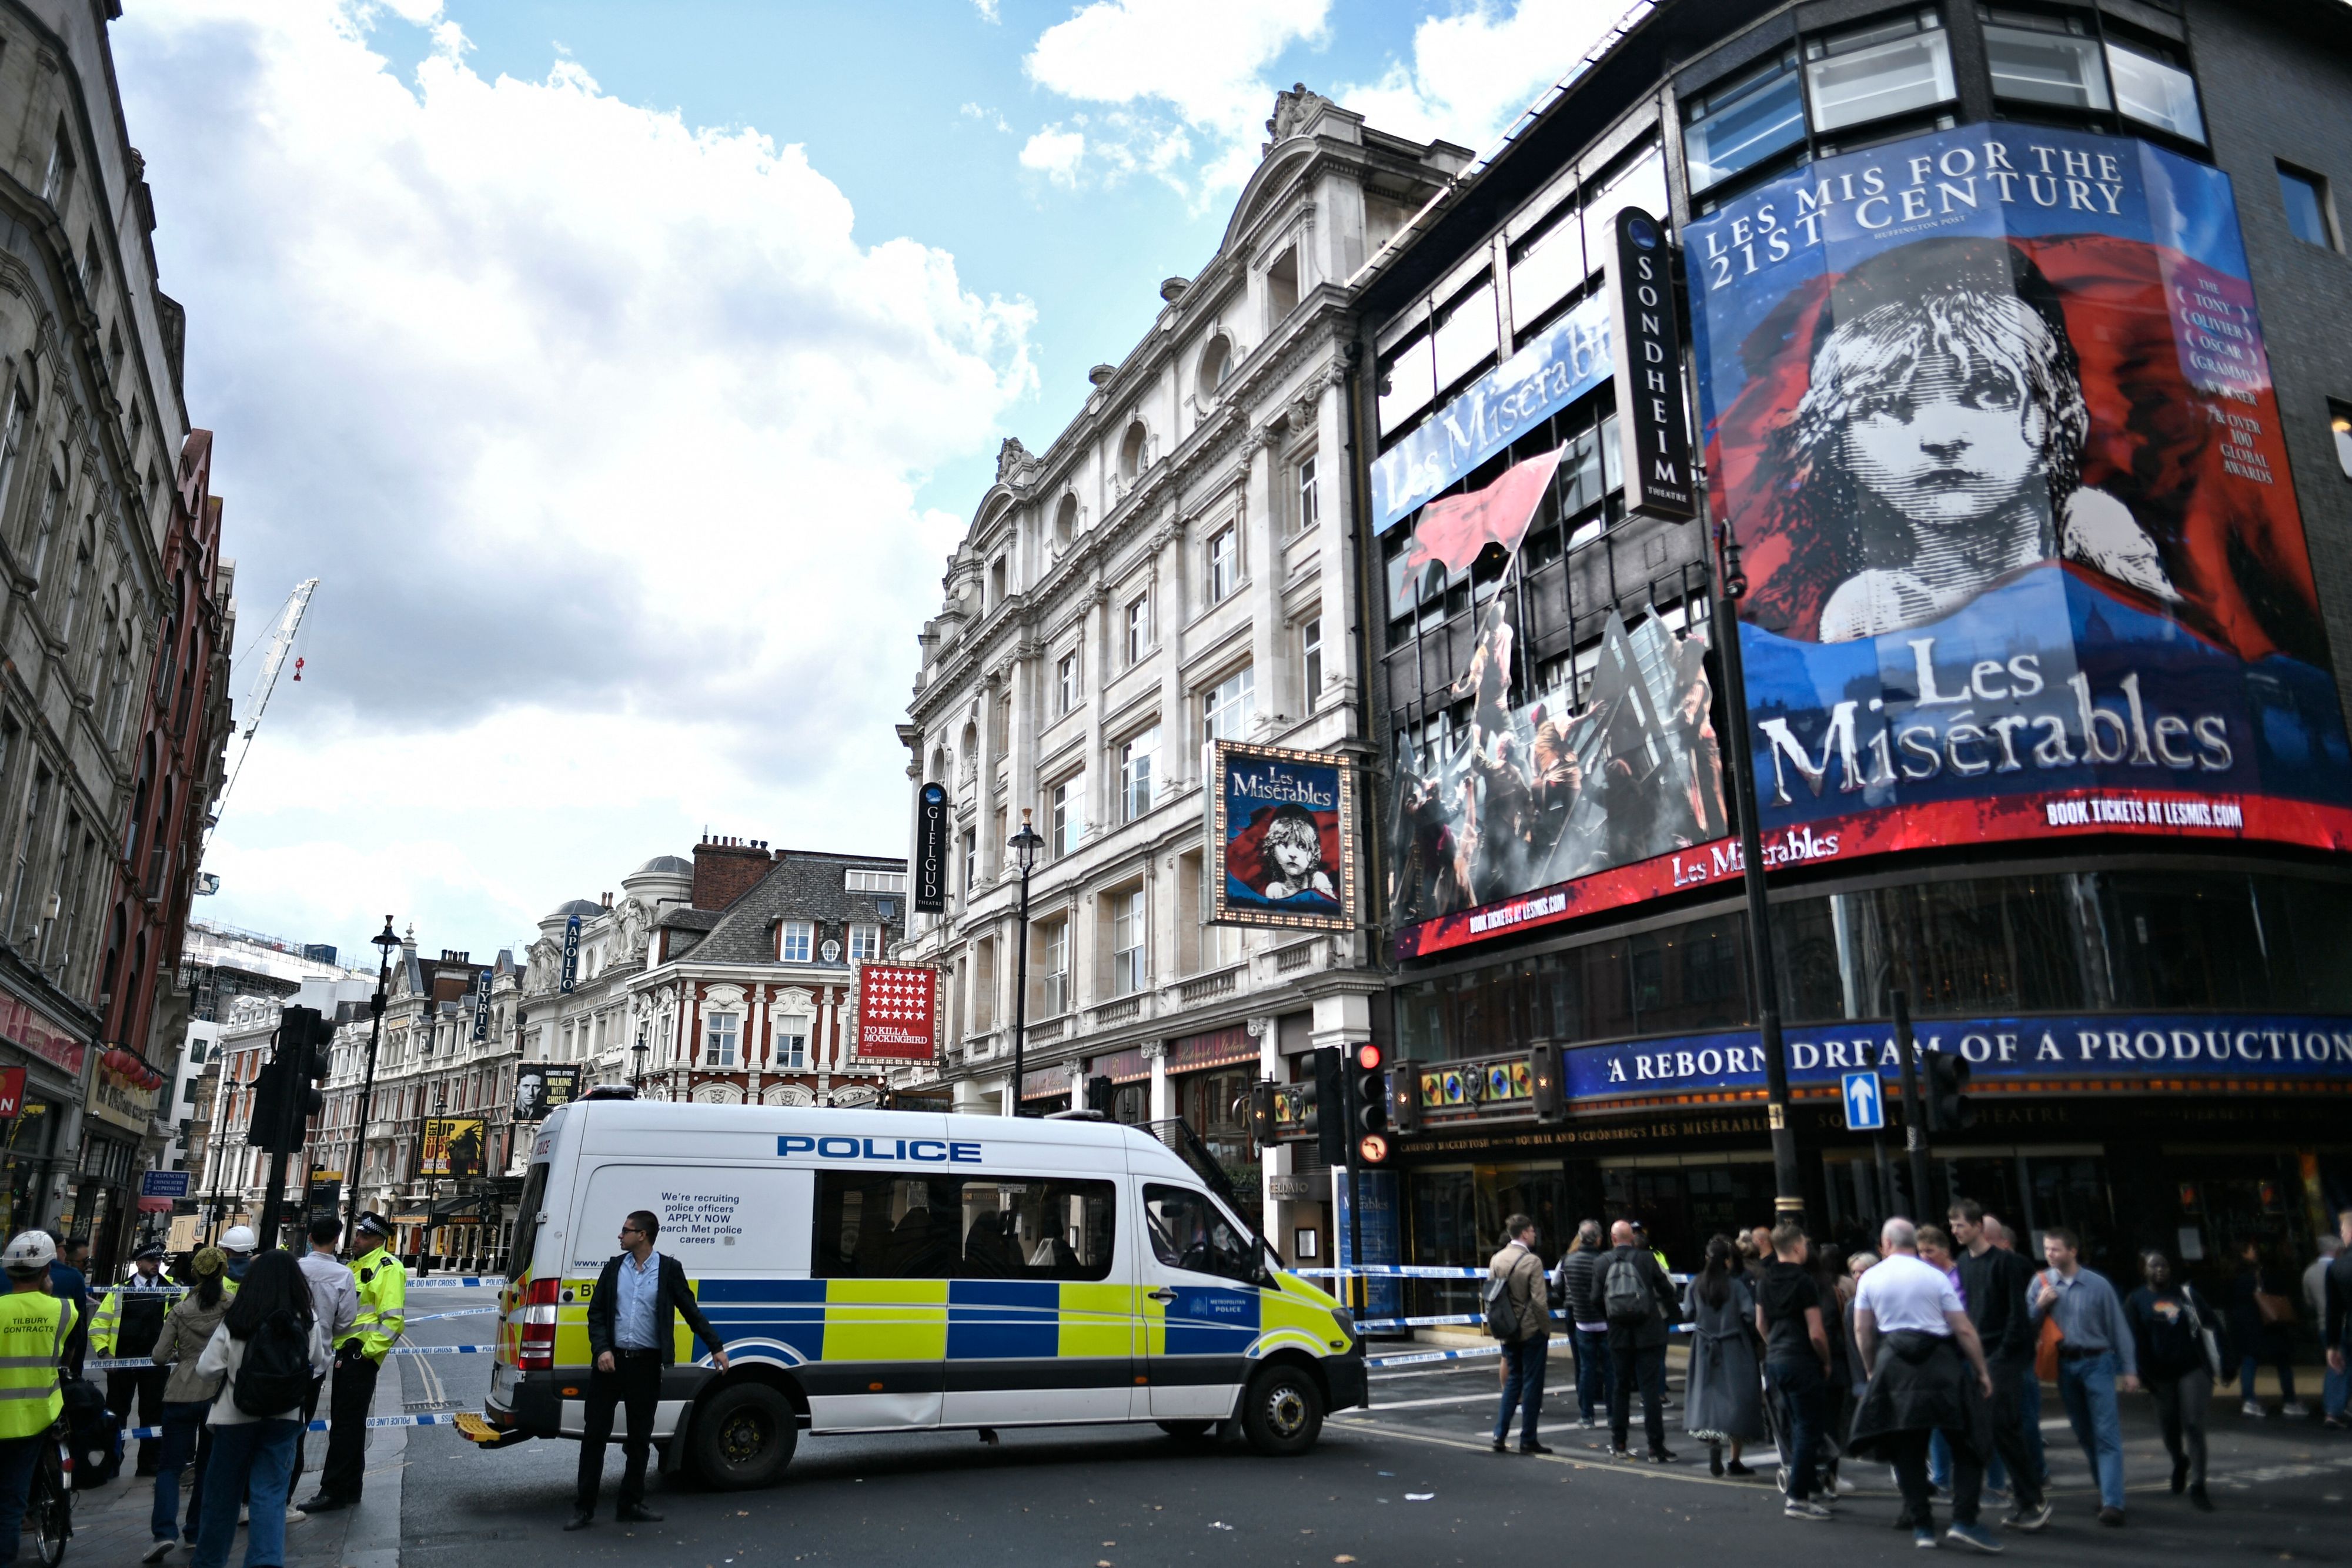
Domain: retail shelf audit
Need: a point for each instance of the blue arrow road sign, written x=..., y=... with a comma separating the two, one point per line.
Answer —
x=1865, y=1111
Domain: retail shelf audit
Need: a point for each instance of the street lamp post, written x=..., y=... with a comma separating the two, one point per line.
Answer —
x=1730, y=588
x=1025, y=845
x=639, y=1051
x=385, y=939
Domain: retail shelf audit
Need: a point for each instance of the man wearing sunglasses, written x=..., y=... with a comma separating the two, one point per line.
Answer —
x=632, y=1336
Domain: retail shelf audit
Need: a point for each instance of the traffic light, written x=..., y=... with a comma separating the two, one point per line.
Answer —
x=1404, y=1097
x=1948, y=1110
x=1546, y=1086
x=286, y=1094
x=1098, y=1095
x=1367, y=1101
x=1326, y=1110
x=1261, y=1114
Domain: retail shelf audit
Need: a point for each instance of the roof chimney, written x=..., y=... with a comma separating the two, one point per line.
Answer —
x=724, y=870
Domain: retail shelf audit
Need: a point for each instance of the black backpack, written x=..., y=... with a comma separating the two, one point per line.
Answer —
x=96, y=1437
x=275, y=1376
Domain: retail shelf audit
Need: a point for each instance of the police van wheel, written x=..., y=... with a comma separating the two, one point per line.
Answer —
x=1189, y=1431
x=1282, y=1412
x=743, y=1438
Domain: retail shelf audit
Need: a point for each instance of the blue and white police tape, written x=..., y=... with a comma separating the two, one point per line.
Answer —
x=432, y=1418
x=461, y=1313
x=140, y=1363
x=1381, y=1325
x=1422, y=1357
x=1413, y=1271
x=459, y=1283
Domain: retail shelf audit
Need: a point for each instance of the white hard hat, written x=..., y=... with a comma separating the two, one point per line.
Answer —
x=28, y=1254
x=240, y=1239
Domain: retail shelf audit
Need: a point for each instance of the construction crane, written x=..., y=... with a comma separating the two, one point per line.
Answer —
x=257, y=701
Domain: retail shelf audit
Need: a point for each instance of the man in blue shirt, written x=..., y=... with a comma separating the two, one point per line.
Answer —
x=2095, y=1358
x=67, y=1282
x=632, y=1334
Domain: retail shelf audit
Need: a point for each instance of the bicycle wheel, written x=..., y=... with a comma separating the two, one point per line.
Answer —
x=50, y=1511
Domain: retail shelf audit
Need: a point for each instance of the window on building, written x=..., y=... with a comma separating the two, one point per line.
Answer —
x=1065, y=683
x=864, y=943
x=2039, y=57
x=1139, y=628
x=1890, y=66
x=1225, y=563
x=2308, y=212
x=1310, y=497
x=971, y=861
x=1227, y=707
x=1282, y=286
x=1466, y=333
x=1054, y=966
x=1545, y=264
x=1737, y=125
x=996, y=582
x=76, y=585
x=1137, y=755
x=22, y=915
x=50, y=504
x=2340, y=422
x=719, y=1037
x=794, y=941
x=1066, y=816
x=1134, y=450
x=1311, y=662
x=2155, y=88
x=56, y=183
x=1131, y=931
x=1216, y=364
x=791, y=1043
x=859, y=880
x=1408, y=380
x=12, y=440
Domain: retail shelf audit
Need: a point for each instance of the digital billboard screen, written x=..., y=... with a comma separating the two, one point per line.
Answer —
x=1989, y=412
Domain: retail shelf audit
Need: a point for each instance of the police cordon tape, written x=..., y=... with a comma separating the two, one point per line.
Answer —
x=1423, y=1357
x=436, y=1418
x=126, y=1363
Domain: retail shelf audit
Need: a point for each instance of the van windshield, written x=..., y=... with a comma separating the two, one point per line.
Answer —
x=526, y=1230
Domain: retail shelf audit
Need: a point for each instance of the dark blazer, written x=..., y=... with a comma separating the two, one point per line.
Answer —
x=677, y=1299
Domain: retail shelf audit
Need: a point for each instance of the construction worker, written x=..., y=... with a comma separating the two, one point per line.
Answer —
x=127, y=1324
x=238, y=1245
x=33, y=1329
x=382, y=1285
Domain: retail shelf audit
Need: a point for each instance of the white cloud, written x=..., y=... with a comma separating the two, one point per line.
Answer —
x=603, y=432
x=1473, y=71
x=1056, y=154
x=987, y=9
x=1172, y=66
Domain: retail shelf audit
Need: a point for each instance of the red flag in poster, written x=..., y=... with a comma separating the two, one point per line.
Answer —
x=1454, y=530
x=897, y=1012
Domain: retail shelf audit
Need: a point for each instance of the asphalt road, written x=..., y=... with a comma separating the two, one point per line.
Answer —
x=1408, y=1482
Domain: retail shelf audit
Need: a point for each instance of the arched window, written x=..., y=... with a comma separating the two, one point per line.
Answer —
x=1065, y=521
x=1132, y=450
x=1216, y=364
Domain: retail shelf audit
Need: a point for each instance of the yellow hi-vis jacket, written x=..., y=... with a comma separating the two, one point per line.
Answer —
x=33, y=1328
x=382, y=1286
x=147, y=1316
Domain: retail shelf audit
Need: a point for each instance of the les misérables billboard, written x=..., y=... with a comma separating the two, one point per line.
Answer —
x=1990, y=413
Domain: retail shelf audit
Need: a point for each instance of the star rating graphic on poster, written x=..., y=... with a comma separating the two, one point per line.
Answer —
x=898, y=996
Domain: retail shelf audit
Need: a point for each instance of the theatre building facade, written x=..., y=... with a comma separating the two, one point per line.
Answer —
x=2014, y=353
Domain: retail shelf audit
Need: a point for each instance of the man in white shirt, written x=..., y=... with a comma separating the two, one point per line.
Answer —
x=1908, y=1322
x=335, y=1303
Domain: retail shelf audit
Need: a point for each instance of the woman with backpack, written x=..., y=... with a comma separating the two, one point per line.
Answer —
x=1725, y=1402
x=187, y=1397
x=267, y=1349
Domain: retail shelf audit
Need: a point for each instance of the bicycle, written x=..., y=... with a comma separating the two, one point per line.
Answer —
x=48, y=1505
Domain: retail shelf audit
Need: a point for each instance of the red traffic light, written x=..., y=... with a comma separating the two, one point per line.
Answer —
x=1368, y=1057
x=1374, y=1148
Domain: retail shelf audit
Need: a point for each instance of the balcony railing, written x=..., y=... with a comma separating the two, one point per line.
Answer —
x=1216, y=983
x=1119, y=1011
x=1296, y=956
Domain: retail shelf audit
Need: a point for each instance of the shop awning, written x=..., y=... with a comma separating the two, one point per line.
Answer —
x=462, y=1208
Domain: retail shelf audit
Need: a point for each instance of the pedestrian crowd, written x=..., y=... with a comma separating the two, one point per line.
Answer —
x=1928, y=1355
x=238, y=1357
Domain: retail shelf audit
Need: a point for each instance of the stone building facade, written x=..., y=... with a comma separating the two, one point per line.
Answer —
x=1176, y=565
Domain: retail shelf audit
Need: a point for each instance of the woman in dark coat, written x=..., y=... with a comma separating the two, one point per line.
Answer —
x=2256, y=1339
x=1725, y=1402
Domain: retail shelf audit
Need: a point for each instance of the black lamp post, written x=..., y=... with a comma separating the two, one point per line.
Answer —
x=639, y=1051
x=1025, y=846
x=1731, y=587
x=386, y=939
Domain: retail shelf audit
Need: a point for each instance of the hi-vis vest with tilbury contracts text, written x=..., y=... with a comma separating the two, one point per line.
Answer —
x=33, y=1328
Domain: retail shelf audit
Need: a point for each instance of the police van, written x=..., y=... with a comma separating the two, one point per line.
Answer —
x=896, y=1270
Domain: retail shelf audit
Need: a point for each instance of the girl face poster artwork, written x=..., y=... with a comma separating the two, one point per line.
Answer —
x=1989, y=413
x=1281, y=824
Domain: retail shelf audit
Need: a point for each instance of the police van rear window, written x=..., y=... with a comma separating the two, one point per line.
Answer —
x=873, y=1225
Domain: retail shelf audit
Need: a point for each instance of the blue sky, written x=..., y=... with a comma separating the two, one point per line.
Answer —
x=568, y=343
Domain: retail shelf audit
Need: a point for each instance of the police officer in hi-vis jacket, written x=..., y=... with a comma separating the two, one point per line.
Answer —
x=382, y=1286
